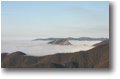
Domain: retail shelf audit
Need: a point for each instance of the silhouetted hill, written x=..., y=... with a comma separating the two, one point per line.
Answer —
x=97, y=57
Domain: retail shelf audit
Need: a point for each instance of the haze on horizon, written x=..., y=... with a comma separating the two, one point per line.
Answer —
x=54, y=19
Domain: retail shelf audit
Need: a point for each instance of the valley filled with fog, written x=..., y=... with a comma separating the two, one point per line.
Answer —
x=40, y=48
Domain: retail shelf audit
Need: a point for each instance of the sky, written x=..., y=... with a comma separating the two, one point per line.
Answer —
x=39, y=19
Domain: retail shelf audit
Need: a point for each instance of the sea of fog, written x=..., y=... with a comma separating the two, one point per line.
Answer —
x=40, y=48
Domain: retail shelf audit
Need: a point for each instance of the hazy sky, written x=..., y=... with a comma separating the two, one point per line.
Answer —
x=54, y=19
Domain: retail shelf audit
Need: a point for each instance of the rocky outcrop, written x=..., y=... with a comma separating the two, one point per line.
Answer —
x=97, y=57
x=60, y=42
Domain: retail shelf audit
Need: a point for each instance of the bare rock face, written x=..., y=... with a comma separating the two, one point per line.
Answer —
x=60, y=42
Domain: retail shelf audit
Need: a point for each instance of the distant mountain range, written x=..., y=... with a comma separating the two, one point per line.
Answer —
x=71, y=38
x=97, y=57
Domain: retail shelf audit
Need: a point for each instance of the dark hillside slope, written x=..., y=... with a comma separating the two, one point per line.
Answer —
x=97, y=57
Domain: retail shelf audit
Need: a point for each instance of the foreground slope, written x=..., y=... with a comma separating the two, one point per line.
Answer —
x=97, y=57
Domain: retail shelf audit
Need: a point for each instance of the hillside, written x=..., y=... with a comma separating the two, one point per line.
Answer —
x=97, y=57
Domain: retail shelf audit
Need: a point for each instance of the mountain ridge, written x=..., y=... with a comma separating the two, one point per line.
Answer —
x=71, y=38
x=97, y=57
